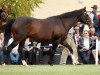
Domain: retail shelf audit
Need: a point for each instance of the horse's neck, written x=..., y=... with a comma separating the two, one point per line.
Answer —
x=69, y=23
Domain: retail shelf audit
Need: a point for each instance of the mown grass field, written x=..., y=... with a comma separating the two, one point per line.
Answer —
x=50, y=70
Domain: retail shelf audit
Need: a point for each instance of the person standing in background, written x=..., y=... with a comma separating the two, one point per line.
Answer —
x=94, y=17
x=1, y=45
x=4, y=11
x=99, y=23
x=3, y=16
x=66, y=52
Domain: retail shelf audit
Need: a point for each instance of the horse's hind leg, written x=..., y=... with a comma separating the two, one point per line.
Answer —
x=22, y=52
x=6, y=40
x=8, y=50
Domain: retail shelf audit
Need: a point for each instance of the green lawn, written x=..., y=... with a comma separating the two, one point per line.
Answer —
x=50, y=70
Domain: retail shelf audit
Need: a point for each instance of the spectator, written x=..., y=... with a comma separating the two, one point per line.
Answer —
x=86, y=27
x=99, y=23
x=14, y=56
x=85, y=46
x=76, y=35
x=45, y=50
x=29, y=52
x=93, y=36
x=1, y=45
x=3, y=16
x=94, y=50
x=81, y=27
x=3, y=11
x=67, y=52
x=94, y=17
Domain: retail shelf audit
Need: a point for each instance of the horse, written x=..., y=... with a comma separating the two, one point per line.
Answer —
x=53, y=30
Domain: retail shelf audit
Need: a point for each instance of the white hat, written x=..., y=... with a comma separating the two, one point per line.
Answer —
x=86, y=28
x=77, y=27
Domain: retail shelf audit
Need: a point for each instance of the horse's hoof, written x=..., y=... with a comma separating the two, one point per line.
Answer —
x=40, y=62
x=51, y=64
x=24, y=63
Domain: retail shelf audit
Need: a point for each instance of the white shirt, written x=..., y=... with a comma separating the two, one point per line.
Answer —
x=1, y=43
x=86, y=43
x=92, y=17
x=71, y=31
x=26, y=45
x=99, y=44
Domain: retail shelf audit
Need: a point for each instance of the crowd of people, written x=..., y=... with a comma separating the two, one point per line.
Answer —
x=81, y=38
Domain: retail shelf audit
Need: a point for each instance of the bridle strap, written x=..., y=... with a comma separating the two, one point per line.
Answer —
x=85, y=13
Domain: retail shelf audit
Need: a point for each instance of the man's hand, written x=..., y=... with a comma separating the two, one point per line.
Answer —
x=85, y=49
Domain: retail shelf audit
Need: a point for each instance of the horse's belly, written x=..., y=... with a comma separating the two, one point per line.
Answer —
x=42, y=37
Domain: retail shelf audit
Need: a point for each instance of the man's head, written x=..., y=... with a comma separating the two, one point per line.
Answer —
x=5, y=8
x=86, y=33
x=94, y=7
x=77, y=29
x=92, y=30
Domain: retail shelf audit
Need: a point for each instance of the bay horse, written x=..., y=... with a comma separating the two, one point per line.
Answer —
x=52, y=29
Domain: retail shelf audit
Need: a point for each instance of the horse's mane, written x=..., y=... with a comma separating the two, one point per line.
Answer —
x=71, y=14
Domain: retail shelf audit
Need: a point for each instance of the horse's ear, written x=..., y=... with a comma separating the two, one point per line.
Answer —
x=84, y=9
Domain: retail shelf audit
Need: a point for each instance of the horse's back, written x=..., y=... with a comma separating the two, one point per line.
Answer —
x=25, y=21
x=38, y=29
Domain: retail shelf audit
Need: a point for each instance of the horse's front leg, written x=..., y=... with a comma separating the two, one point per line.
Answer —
x=64, y=43
x=52, y=52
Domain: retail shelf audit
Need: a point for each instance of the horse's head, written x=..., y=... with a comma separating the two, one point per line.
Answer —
x=84, y=18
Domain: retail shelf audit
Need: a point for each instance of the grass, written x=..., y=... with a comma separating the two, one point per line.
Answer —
x=50, y=70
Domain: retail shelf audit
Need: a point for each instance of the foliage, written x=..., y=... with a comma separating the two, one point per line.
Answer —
x=20, y=7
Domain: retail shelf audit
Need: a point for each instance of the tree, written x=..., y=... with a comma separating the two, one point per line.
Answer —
x=20, y=7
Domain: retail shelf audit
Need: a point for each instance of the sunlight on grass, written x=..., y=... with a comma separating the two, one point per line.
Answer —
x=50, y=70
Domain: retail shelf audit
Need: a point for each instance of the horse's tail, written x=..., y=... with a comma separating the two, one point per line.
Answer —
x=7, y=31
